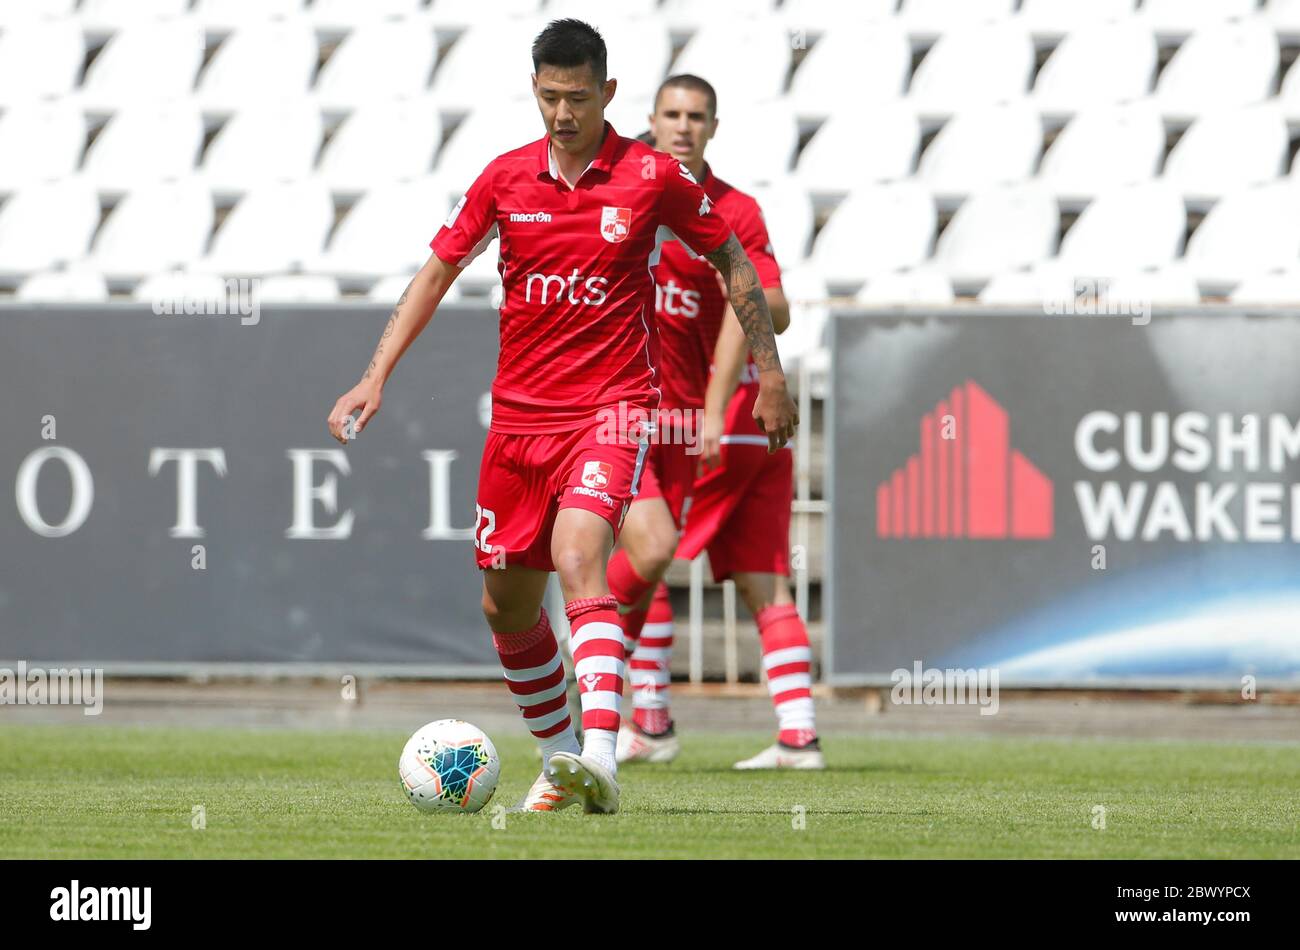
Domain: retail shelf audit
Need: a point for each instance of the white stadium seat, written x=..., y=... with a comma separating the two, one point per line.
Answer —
x=297, y=288
x=459, y=13
x=629, y=116
x=1045, y=285
x=1248, y=232
x=1129, y=228
x=155, y=228
x=874, y=60
x=1284, y=17
x=1289, y=95
x=145, y=143
x=173, y=288
x=1169, y=286
x=1070, y=80
x=996, y=230
x=40, y=58
x=377, y=61
x=488, y=64
x=261, y=61
x=876, y=229
x=227, y=15
x=1228, y=64
x=75, y=286
x=973, y=67
x=929, y=18
x=689, y=14
x=788, y=214
x=148, y=60
x=920, y=287
x=827, y=16
x=1181, y=17
x=115, y=14
x=592, y=11
x=1054, y=18
x=1083, y=160
x=28, y=242
x=274, y=141
x=639, y=51
x=388, y=229
x=756, y=142
x=388, y=290
x=39, y=141
x=1227, y=150
x=28, y=10
x=746, y=61
x=384, y=141
x=1276, y=287
x=982, y=147
x=346, y=15
x=853, y=148
x=807, y=293
x=273, y=229
x=486, y=134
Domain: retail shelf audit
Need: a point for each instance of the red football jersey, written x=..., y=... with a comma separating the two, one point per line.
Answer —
x=577, y=316
x=690, y=302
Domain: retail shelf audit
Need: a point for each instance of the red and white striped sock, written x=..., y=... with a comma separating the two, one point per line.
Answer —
x=628, y=587
x=787, y=660
x=597, y=642
x=649, y=665
x=535, y=675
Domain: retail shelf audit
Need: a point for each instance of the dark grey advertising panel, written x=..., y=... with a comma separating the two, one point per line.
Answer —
x=172, y=495
x=1067, y=500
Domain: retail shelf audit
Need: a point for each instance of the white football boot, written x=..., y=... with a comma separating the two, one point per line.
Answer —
x=545, y=795
x=780, y=756
x=636, y=746
x=589, y=781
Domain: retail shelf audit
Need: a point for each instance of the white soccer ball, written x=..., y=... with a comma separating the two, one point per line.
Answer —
x=449, y=765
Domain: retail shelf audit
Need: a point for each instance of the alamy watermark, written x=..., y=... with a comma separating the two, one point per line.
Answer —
x=35, y=686
x=238, y=297
x=622, y=424
x=935, y=687
x=1093, y=298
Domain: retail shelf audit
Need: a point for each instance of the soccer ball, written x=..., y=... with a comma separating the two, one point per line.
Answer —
x=449, y=765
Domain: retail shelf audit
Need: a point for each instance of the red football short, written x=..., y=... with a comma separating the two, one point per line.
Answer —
x=524, y=480
x=740, y=512
x=671, y=469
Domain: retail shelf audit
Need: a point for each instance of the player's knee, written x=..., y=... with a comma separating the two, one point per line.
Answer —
x=757, y=591
x=575, y=565
x=658, y=550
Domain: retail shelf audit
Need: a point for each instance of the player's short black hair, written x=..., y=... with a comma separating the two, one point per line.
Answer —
x=694, y=83
x=570, y=43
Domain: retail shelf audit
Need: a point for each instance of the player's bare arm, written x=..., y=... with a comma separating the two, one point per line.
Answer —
x=774, y=409
x=728, y=363
x=410, y=316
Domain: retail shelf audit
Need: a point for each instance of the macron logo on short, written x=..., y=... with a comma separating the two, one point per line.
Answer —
x=966, y=481
x=531, y=217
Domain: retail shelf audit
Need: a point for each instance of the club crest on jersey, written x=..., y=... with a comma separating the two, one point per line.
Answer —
x=615, y=224
x=595, y=474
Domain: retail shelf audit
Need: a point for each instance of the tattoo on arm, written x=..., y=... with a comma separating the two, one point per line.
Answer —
x=388, y=331
x=748, y=301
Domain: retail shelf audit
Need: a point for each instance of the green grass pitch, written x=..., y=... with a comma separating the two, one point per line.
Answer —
x=119, y=792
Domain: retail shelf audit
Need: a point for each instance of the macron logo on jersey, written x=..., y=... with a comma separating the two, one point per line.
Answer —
x=531, y=217
x=705, y=206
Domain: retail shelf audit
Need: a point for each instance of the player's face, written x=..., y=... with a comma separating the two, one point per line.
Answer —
x=573, y=105
x=682, y=124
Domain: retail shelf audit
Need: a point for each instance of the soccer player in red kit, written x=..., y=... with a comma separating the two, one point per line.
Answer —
x=579, y=215
x=739, y=509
